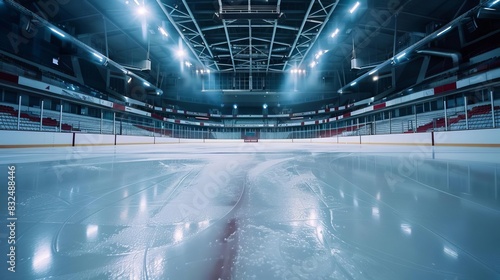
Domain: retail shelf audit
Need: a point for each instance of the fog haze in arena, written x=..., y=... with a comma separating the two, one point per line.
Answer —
x=276, y=139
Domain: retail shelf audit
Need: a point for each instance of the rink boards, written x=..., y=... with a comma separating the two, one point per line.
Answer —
x=34, y=139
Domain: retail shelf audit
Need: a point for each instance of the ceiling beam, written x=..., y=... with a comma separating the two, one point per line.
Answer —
x=250, y=80
x=172, y=21
x=127, y=34
x=423, y=16
x=388, y=64
x=85, y=17
x=272, y=40
x=74, y=41
x=300, y=31
x=385, y=28
x=227, y=38
x=215, y=27
x=199, y=30
x=332, y=8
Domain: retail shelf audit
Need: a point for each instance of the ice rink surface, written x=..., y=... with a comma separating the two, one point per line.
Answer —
x=254, y=211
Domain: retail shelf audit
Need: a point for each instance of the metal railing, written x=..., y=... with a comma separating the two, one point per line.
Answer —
x=483, y=115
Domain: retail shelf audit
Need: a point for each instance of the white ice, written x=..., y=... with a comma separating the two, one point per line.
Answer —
x=254, y=211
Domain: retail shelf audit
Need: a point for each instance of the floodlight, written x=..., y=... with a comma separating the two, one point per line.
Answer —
x=142, y=10
x=353, y=9
x=335, y=33
x=57, y=32
x=180, y=53
x=445, y=30
x=98, y=56
x=401, y=56
x=162, y=31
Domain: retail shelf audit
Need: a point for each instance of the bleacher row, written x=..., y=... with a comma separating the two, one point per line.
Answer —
x=71, y=123
x=265, y=122
x=254, y=122
x=274, y=135
x=9, y=115
x=478, y=117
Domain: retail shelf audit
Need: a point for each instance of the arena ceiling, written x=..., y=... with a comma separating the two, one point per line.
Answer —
x=254, y=36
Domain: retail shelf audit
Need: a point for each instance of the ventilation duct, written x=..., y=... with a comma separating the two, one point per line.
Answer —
x=143, y=65
x=471, y=25
x=220, y=49
x=281, y=49
x=488, y=13
x=456, y=57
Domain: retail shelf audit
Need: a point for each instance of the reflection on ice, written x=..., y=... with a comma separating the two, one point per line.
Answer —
x=203, y=224
x=156, y=267
x=406, y=229
x=375, y=212
x=144, y=203
x=310, y=212
x=320, y=234
x=450, y=252
x=178, y=233
x=42, y=258
x=124, y=213
x=312, y=219
x=92, y=231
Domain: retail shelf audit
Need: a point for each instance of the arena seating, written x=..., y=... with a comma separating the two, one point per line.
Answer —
x=344, y=131
x=478, y=117
x=227, y=135
x=71, y=122
x=274, y=135
x=156, y=131
x=28, y=122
